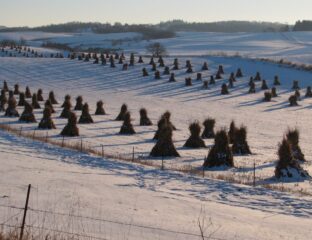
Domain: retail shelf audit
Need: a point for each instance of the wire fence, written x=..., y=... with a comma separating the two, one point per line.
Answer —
x=83, y=145
x=247, y=174
x=244, y=175
x=45, y=223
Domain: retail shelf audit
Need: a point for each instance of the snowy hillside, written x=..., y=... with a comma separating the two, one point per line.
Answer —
x=29, y=36
x=290, y=46
x=137, y=202
x=187, y=104
x=127, y=192
x=83, y=40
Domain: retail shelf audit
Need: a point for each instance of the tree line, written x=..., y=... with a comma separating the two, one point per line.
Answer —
x=169, y=28
x=224, y=26
x=303, y=26
x=161, y=30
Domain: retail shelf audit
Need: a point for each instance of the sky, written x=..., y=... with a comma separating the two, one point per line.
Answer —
x=43, y=12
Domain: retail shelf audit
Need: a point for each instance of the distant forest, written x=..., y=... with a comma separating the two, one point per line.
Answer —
x=226, y=26
x=169, y=28
x=303, y=26
x=147, y=31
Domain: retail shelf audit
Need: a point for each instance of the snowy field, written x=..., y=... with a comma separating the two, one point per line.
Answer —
x=266, y=122
x=290, y=46
x=177, y=199
x=157, y=201
x=83, y=40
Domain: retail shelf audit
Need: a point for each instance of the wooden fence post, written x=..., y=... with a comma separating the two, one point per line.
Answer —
x=162, y=163
x=254, y=174
x=34, y=133
x=25, y=212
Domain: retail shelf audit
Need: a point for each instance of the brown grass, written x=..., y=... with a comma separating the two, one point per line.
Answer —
x=48, y=235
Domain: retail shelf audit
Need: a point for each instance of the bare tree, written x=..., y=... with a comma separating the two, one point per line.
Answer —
x=156, y=49
x=203, y=225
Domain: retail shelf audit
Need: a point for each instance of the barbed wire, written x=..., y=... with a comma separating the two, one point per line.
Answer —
x=55, y=230
x=97, y=220
x=10, y=226
x=12, y=207
x=113, y=221
x=65, y=232
x=90, y=236
x=13, y=216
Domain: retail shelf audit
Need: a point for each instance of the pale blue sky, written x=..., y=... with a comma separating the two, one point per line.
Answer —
x=41, y=12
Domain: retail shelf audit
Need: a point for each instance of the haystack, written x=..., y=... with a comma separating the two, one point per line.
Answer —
x=122, y=114
x=85, y=115
x=46, y=121
x=71, y=129
x=220, y=154
x=195, y=141
x=144, y=119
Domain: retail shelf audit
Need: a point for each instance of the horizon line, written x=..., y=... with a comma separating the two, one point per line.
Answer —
x=156, y=23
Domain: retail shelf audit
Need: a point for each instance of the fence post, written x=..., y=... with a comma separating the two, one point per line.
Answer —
x=46, y=140
x=204, y=167
x=63, y=141
x=133, y=154
x=254, y=174
x=162, y=162
x=102, y=150
x=25, y=212
x=81, y=145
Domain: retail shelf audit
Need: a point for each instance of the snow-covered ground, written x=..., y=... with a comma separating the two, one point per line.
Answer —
x=81, y=185
x=266, y=122
x=30, y=36
x=177, y=198
x=289, y=46
x=83, y=40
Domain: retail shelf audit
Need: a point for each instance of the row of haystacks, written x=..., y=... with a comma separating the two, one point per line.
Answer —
x=121, y=58
x=225, y=88
x=25, y=51
x=226, y=143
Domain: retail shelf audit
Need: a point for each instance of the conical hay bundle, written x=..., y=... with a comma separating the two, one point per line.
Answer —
x=85, y=115
x=79, y=104
x=127, y=127
x=195, y=141
x=123, y=111
x=286, y=165
x=144, y=119
x=28, y=115
x=35, y=104
x=164, y=146
x=208, y=132
x=46, y=121
x=220, y=154
x=99, y=108
x=240, y=145
x=71, y=129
